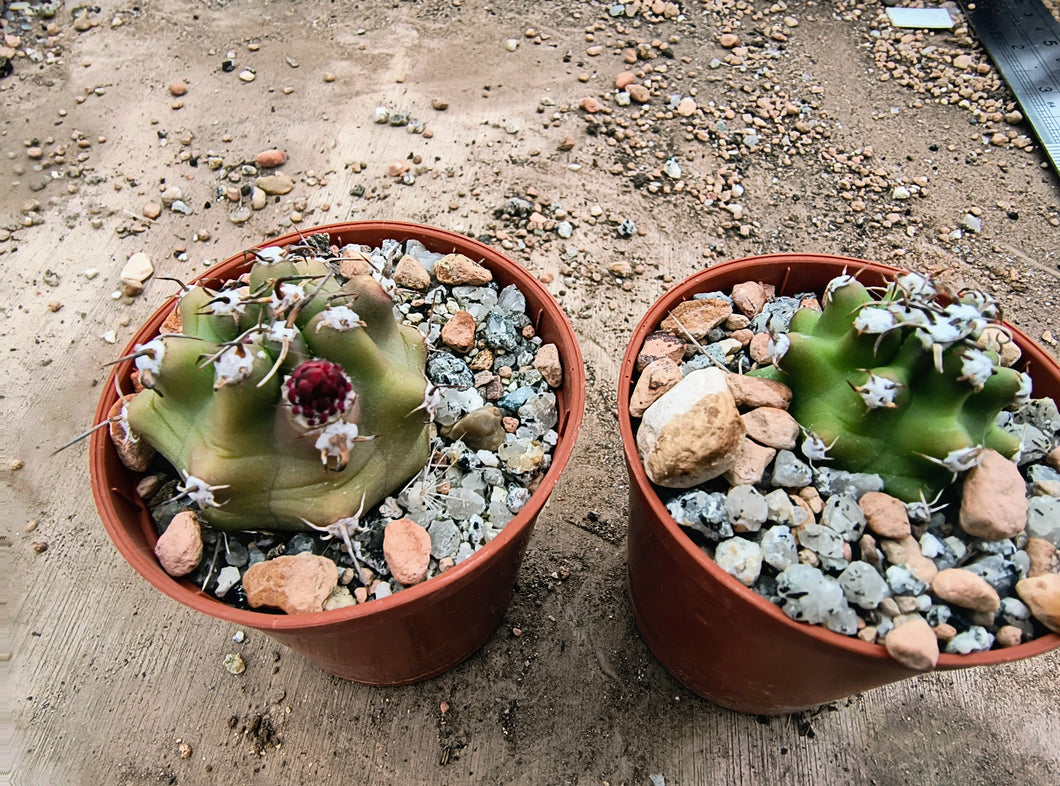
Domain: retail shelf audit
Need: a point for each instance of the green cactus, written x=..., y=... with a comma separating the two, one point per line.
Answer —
x=287, y=400
x=897, y=386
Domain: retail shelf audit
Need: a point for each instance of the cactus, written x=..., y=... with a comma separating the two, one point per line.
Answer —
x=286, y=400
x=897, y=386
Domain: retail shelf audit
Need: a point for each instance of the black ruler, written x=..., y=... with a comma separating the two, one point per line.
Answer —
x=1023, y=40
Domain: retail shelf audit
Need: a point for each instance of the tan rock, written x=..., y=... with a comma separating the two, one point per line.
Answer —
x=549, y=365
x=997, y=339
x=886, y=515
x=944, y=631
x=1044, y=557
x=639, y=93
x=691, y=433
x=686, y=107
x=812, y=497
x=481, y=429
x=749, y=297
x=965, y=589
x=660, y=345
x=1052, y=459
x=482, y=361
x=138, y=267
x=1042, y=596
x=758, y=392
x=772, y=426
x=729, y=40
x=355, y=263
x=459, y=332
x=804, y=506
x=459, y=270
x=657, y=378
x=750, y=465
x=179, y=548
x=994, y=502
x=134, y=452
x=624, y=79
x=178, y=87
x=913, y=644
x=270, y=159
x=411, y=274
x=275, y=185
x=407, y=550
x=296, y=584
x=759, y=348
x=591, y=105
x=1008, y=636
x=696, y=318
x=906, y=551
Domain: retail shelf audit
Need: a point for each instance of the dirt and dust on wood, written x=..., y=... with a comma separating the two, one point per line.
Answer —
x=612, y=149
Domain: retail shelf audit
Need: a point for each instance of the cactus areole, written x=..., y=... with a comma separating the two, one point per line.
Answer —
x=285, y=399
x=897, y=385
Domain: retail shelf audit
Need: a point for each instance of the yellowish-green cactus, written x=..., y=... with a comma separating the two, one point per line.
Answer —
x=287, y=399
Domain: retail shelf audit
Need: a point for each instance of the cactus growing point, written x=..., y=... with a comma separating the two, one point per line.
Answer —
x=286, y=400
x=897, y=386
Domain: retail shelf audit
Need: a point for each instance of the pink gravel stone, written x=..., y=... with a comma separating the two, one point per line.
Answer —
x=179, y=548
x=407, y=549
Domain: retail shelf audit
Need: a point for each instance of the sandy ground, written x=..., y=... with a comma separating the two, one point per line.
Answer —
x=108, y=678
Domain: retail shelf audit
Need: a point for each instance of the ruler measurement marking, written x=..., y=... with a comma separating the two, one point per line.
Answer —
x=1023, y=39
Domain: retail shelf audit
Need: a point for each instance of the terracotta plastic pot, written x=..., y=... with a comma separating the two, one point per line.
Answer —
x=719, y=638
x=421, y=631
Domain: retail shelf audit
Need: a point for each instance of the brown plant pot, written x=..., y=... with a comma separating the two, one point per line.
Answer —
x=423, y=630
x=718, y=637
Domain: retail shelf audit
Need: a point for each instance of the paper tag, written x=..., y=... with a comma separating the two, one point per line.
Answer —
x=933, y=18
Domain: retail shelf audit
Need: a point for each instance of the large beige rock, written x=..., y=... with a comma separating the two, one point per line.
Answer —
x=691, y=434
x=994, y=501
x=296, y=584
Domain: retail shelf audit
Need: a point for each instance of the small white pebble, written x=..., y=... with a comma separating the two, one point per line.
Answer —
x=239, y=637
x=110, y=337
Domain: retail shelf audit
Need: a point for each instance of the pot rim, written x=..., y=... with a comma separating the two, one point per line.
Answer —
x=435, y=238
x=650, y=321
